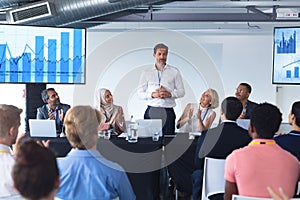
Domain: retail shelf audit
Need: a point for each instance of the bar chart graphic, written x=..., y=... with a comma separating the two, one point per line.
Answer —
x=286, y=55
x=287, y=45
x=31, y=54
x=290, y=74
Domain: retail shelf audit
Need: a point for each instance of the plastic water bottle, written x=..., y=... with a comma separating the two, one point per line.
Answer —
x=131, y=119
x=132, y=131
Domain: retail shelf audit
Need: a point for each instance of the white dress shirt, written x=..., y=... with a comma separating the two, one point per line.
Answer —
x=7, y=162
x=170, y=78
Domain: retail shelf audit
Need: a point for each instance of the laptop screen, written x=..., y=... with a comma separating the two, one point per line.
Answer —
x=244, y=123
x=42, y=128
x=146, y=127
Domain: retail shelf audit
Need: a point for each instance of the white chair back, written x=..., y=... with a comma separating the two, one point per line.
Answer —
x=240, y=197
x=213, y=177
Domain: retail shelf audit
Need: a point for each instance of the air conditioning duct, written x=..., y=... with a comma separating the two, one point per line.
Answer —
x=30, y=12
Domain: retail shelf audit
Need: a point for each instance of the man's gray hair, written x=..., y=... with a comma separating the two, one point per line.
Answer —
x=160, y=46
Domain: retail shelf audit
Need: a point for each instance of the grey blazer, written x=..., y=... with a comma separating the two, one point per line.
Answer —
x=42, y=113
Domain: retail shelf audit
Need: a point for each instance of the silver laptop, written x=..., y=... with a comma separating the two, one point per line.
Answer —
x=244, y=123
x=42, y=128
x=146, y=127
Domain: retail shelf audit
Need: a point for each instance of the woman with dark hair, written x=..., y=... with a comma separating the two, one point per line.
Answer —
x=291, y=140
x=35, y=173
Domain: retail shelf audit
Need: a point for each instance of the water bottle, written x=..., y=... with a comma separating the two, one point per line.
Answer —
x=132, y=131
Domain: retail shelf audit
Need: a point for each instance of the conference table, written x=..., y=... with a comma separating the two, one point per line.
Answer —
x=60, y=145
x=145, y=160
x=141, y=161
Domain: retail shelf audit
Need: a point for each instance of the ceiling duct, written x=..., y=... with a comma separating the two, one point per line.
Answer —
x=4, y=4
x=72, y=11
x=30, y=12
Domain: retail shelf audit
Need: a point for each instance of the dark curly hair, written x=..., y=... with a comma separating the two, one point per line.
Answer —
x=266, y=119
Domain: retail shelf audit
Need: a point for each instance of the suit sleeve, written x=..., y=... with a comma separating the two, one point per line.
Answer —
x=40, y=114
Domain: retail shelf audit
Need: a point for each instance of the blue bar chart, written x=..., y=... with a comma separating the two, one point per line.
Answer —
x=287, y=45
x=42, y=55
x=286, y=55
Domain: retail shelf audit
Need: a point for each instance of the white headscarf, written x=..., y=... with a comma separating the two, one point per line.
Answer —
x=101, y=103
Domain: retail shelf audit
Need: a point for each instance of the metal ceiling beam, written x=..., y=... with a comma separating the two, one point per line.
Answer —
x=189, y=17
x=227, y=4
x=196, y=11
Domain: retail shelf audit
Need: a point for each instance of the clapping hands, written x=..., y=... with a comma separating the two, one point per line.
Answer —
x=60, y=114
x=199, y=112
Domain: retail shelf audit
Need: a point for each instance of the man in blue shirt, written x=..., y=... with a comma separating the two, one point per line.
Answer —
x=85, y=174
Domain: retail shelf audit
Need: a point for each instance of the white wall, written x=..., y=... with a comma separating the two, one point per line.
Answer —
x=115, y=60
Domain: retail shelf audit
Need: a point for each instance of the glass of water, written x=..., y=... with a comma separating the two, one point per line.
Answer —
x=132, y=133
x=155, y=136
x=106, y=134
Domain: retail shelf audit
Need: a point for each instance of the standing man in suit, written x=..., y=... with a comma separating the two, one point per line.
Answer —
x=220, y=141
x=243, y=92
x=160, y=85
x=53, y=109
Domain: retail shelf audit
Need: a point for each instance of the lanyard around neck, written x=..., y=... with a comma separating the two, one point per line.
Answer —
x=204, y=113
x=4, y=151
x=258, y=142
x=159, y=73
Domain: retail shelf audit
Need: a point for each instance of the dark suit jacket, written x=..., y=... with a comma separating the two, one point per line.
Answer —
x=250, y=106
x=220, y=141
x=42, y=113
x=290, y=142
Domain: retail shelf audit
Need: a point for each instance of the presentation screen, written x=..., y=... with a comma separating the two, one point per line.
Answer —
x=286, y=55
x=32, y=54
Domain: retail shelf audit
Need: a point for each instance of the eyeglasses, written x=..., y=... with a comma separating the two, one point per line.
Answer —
x=240, y=90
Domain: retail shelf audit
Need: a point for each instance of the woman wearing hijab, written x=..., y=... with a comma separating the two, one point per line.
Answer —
x=198, y=117
x=113, y=116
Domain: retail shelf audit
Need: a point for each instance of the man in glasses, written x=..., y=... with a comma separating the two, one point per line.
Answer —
x=243, y=92
x=53, y=109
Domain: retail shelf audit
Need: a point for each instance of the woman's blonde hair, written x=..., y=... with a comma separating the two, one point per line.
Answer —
x=214, y=98
x=81, y=126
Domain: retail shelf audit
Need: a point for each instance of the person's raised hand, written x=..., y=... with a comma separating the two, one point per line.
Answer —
x=51, y=114
x=281, y=196
x=104, y=126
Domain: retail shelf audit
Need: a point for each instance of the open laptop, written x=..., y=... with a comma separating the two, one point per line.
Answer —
x=42, y=128
x=146, y=127
x=244, y=123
